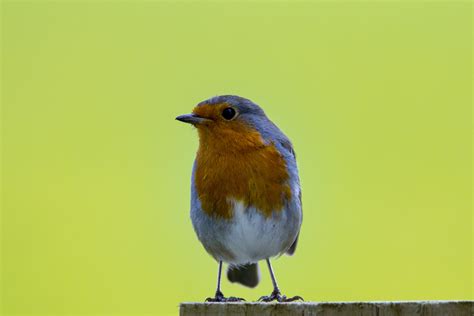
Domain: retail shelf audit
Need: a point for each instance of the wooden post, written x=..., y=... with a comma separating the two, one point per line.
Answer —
x=419, y=308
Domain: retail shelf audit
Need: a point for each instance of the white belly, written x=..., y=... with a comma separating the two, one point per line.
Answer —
x=252, y=237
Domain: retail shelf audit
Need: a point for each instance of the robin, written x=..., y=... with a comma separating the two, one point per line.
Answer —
x=245, y=191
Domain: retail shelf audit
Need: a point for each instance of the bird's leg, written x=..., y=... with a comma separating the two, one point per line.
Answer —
x=276, y=294
x=219, y=297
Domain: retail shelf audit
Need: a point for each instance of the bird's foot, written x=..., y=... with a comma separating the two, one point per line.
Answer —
x=276, y=296
x=220, y=298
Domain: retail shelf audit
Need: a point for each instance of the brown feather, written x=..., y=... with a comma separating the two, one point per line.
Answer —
x=234, y=162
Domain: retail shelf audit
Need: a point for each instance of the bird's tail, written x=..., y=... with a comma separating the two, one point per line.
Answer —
x=247, y=274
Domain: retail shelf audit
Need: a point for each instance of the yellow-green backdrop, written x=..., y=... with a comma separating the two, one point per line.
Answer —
x=376, y=97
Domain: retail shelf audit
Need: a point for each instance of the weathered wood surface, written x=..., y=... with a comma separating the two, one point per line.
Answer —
x=418, y=308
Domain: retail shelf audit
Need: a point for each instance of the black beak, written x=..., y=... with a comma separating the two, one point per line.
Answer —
x=192, y=119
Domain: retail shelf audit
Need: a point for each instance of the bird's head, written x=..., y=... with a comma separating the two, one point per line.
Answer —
x=227, y=119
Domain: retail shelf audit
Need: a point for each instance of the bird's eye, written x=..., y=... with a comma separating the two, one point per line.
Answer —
x=228, y=113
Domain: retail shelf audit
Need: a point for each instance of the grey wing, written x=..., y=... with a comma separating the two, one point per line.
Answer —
x=288, y=146
x=292, y=248
x=273, y=133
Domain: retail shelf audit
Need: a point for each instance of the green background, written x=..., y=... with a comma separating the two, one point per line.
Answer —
x=376, y=97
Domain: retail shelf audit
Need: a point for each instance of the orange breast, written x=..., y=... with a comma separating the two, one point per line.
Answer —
x=234, y=163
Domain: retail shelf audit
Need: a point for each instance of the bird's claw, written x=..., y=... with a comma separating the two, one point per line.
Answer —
x=276, y=296
x=220, y=298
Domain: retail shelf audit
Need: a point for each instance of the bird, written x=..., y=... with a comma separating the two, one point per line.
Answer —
x=245, y=191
